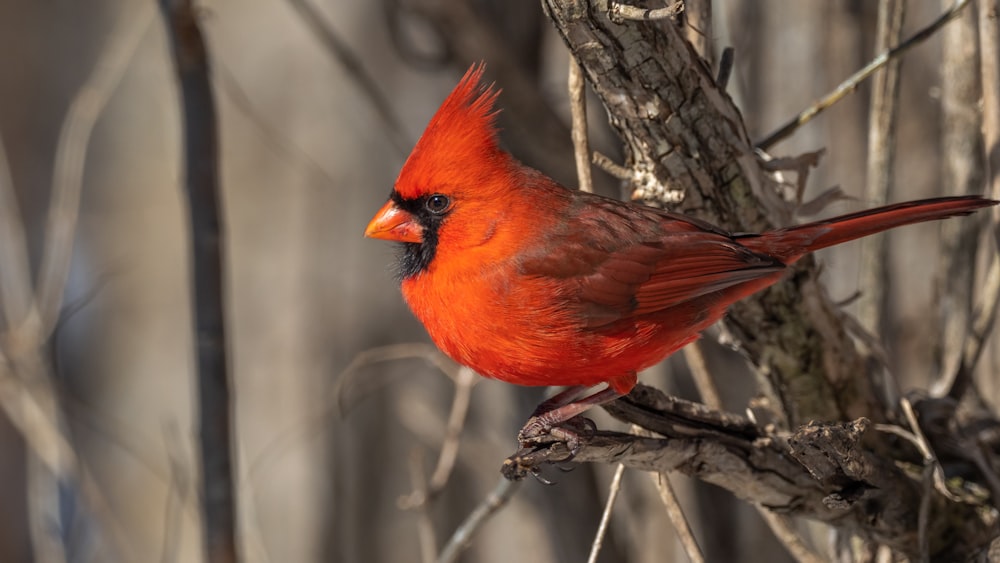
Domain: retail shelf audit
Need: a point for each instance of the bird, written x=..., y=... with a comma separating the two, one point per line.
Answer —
x=531, y=283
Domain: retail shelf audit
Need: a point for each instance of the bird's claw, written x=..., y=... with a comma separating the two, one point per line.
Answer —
x=537, y=432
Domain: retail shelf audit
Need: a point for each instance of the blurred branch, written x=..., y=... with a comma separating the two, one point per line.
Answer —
x=825, y=472
x=201, y=186
x=464, y=383
x=270, y=134
x=425, y=527
x=497, y=499
x=56, y=476
x=848, y=86
x=613, y=490
x=177, y=492
x=343, y=54
x=881, y=164
x=421, y=496
x=16, y=299
x=348, y=381
x=71, y=154
x=989, y=52
x=963, y=166
x=983, y=317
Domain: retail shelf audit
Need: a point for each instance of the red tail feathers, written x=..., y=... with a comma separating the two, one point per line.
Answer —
x=791, y=243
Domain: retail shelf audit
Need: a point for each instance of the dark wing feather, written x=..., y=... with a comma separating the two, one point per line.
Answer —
x=630, y=260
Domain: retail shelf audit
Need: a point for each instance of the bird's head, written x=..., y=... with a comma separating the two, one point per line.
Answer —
x=451, y=190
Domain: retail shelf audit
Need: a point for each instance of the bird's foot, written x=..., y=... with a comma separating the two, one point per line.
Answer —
x=573, y=432
x=543, y=443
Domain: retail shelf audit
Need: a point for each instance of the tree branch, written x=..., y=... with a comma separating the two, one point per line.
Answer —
x=823, y=471
x=201, y=151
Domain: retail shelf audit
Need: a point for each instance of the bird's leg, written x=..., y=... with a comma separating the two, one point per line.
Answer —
x=559, y=399
x=545, y=420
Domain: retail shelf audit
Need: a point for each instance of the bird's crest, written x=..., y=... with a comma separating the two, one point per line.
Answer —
x=460, y=137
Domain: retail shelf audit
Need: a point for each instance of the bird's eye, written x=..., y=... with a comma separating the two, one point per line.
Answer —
x=437, y=204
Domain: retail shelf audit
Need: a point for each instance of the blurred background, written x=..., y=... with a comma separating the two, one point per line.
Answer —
x=319, y=102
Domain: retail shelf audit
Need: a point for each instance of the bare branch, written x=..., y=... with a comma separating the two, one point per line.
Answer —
x=661, y=481
x=825, y=472
x=989, y=52
x=425, y=528
x=421, y=496
x=963, y=172
x=881, y=159
x=983, y=322
x=695, y=357
x=71, y=153
x=493, y=502
x=464, y=383
x=578, y=109
x=602, y=528
x=848, y=86
x=201, y=151
x=609, y=166
x=781, y=526
x=619, y=12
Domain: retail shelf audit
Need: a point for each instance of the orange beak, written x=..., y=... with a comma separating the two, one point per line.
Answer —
x=392, y=223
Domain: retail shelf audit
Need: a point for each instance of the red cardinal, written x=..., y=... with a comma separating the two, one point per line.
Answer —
x=528, y=282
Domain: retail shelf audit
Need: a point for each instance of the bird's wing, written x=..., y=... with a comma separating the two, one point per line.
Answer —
x=625, y=261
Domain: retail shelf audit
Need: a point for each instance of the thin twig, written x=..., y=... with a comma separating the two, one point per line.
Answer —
x=16, y=298
x=781, y=526
x=695, y=358
x=494, y=501
x=618, y=12
x=71, y=154
x=269, y=133
x=464, y=383
x=45, y=524
x=602, y=528
x=578, y=109
x=391, y=352
x=425, y=528
x=852, y=83
x=177, y=492
x=288, y=436
x=421, y=496
x=611, y=167
x=662, y=483
x=982, y=326
x=201, y=151
x=917, y=438
x=924, y=515
x=343, y=54
x=874, y=269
